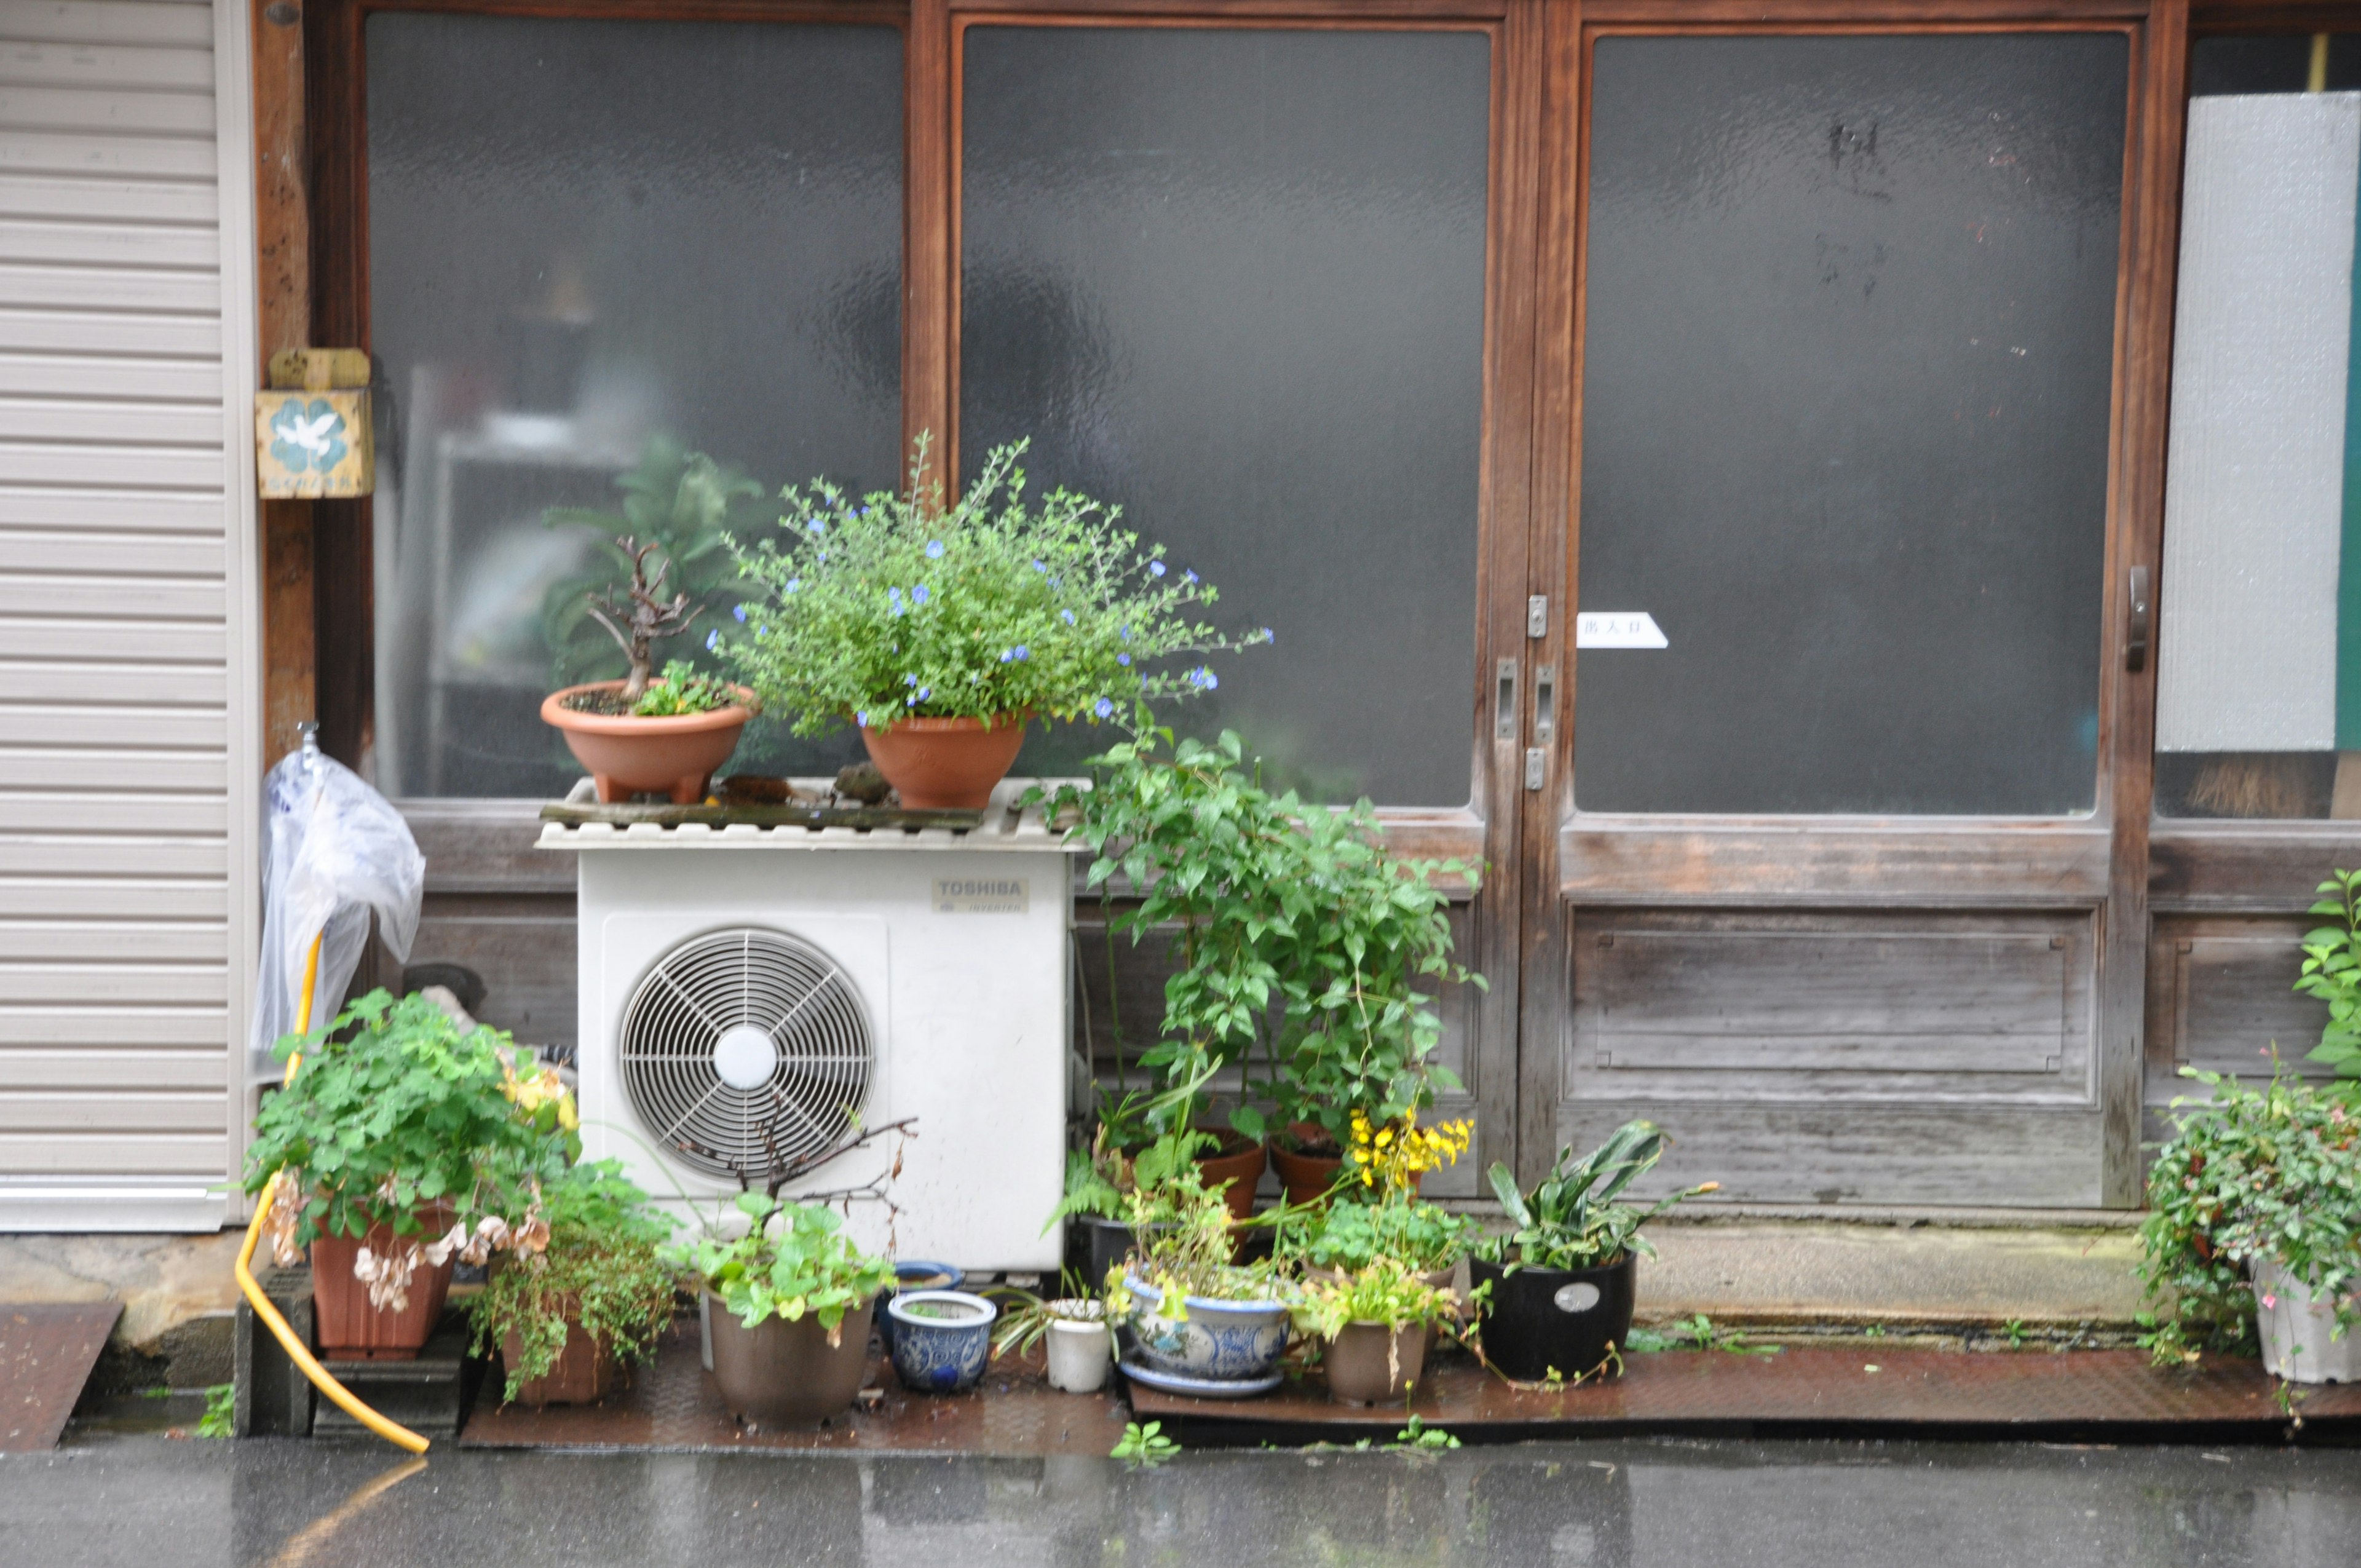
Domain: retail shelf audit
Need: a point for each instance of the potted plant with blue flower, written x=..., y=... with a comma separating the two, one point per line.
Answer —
x=941, y=629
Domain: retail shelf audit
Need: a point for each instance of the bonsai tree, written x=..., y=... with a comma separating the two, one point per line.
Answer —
x=1574, y=1218
x=642, y=616
x=603, y=1271
x=2270, y=1174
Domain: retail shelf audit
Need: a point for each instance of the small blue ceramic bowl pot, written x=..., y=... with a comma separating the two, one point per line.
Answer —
x=941, y=1339
x=913, y=1274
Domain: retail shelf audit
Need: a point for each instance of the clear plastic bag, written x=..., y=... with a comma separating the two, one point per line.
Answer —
x=335, y=850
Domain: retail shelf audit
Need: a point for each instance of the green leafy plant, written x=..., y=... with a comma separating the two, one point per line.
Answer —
x=1385, y=1292
x=794, y=1258
x=1301, y=939
x=1700, y=1331
x=220, y=1419
x=396, y=1108
x=1186, y=1248
x=1419, y=1437
x=1572, y=1219
x=2014, y=1332
x=1139, y=1141
x=2331, y=972
x=679, y=507
x=1025, y=1318
x=880, y=606
x=2253, y=1173
x=1422, y=1237
x=604, y=1269
x=682, y=690
x=1144, y=1445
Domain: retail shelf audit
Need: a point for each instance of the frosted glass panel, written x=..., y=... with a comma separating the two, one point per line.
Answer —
x=1233, y=281
x=593, y=244
x=1846, y=387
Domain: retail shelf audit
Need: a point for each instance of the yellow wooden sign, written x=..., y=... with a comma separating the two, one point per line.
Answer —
x=312, y=428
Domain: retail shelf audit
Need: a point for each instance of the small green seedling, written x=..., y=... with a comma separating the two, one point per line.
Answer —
x=221, y=1411
x=1419, y=1436
x=1874, y=1331
x=2014, y=1329
x=1145, y=1445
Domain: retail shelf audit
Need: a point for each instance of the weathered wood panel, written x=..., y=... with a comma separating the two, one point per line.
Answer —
x=1824, y=864
x=2245, y=867
x=1830, y=1007
x=2221, y=992
x=522, y=946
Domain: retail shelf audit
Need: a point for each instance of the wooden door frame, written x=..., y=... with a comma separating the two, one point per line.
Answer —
x=2099, y=863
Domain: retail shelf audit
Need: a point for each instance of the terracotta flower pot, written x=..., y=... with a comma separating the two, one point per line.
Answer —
x=1236, y=1168
x=1368, y=1364
x=626, y=756
x=1306, y=1177
x=583, y=1373
x=782, y=1374
x=347, y=1327
x=942, y=764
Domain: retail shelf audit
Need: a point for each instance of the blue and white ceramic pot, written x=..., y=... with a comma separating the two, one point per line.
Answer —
x=912, y=1274
x=1216, y=1341
x=941, y=1339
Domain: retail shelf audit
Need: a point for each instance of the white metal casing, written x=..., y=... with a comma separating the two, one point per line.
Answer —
x=967, y=1006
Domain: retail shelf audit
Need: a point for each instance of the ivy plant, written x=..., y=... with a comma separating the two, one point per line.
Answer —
x=2269, y=1173
x=874, y=608
x=794, y=1258
x=397, y=1108
x=1305, y=947
x=604, y=1269
x=2331, y=972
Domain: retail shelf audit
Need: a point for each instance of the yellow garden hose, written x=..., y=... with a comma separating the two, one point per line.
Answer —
x=297, y=1351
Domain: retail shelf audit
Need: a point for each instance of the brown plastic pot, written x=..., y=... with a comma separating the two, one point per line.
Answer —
x=782, y=1374
x=348, y=1328
x=626, y=756
x=946, y=765
x=1236, y=1169
x=1368, y=1364
x=584, y=1373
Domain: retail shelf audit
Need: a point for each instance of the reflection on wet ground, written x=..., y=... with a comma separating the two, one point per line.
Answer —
x=145, y=1500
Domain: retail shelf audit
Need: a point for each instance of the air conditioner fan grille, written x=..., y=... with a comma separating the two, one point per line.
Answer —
x=746, y=1049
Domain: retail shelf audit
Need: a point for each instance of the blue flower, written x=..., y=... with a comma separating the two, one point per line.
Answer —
x=1038, y=567
x=1188, y=576
x=1104, y=707
x=909, y=680
x=1068, y=616
x=1124, y=659
x=760, y=629
x=1021, y=653
x=926, y=692
x=1011, y=654
x=919, y=593
x=912, y=700
x=816, y=526
x=934, y=549
x=1155, y=568
x=793, y=583
x=713, y=640
x=1126, y=633
x=741, y=612
x=1204, y=679
x=894, y=597
x=863, y=717
x=1266, y=636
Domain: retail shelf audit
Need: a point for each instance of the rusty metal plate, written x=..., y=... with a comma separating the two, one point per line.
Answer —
x=672, y=1403
x=2017, y=1393
x=46, y=1354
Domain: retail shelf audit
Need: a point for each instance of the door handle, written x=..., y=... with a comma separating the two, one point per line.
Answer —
x=1545, y=696
x=1504, y=702
x=2139, y=617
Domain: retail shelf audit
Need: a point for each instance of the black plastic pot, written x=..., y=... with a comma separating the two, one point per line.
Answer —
x=1541, y=1319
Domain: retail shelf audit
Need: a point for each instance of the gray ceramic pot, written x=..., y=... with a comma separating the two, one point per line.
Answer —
x=779, y=1373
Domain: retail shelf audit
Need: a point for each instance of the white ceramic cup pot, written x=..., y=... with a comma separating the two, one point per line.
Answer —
x=1080, y=1352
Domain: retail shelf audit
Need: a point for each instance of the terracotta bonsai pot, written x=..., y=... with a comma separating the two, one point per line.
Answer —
x=626, y=756
x=1368, y=1364
x=347, y=1327
x=1540, y=1319
x=1236, y=1168
x=780, y=1374
x=583, y=1373
x=939, y=764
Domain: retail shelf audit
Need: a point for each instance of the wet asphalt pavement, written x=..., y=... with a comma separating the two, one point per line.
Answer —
x=147, y=1501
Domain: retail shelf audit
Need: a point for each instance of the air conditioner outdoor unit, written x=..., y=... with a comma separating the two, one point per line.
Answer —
x=751, y=995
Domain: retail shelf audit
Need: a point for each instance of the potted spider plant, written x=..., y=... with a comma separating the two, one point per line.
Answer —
x=1558, y=1285
x=396, y=1127
x=567, y=1318
x=788, y=1305
x=939, y=630
x=1074, y=1327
